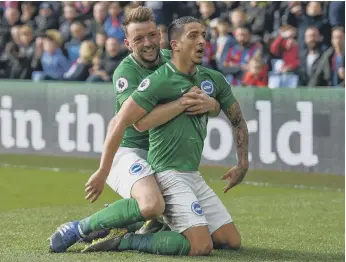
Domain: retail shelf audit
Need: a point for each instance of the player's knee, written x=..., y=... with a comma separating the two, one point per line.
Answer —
x=201, y=248
x=151, y=206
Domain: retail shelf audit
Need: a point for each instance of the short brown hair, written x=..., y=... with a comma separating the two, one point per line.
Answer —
x=138, y=15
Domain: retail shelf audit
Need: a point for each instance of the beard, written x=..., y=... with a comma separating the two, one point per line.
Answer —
x=142, y=57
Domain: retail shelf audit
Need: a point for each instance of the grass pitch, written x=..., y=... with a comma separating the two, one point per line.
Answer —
x=281, y=216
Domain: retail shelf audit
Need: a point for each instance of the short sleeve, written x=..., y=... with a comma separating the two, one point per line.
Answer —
x=149, y=92
x=125, y=82
x=224, y=94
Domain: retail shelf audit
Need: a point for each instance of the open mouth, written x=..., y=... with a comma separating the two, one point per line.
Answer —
x=200, y=52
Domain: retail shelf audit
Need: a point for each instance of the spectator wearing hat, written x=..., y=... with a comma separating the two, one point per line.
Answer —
x=45, y=19
x=79, y=34
x=330, y=69
x=70, y=15
x=239, y=55
x=79, y=71
x=53, y=61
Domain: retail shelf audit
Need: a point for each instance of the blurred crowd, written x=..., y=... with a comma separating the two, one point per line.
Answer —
x=259, y=44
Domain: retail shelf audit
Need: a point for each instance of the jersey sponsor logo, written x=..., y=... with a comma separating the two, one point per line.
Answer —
x=208, y=87
x=136, y=169
x=197, y=209
x=122, y=84
x=144, y=85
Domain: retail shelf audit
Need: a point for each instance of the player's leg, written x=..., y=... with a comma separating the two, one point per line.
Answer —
x=221, y=227
x=120, y=213
x=183, y=212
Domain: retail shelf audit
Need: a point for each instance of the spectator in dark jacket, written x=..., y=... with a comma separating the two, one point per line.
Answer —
x=79, y=71
x=29, y=11
x=70, y=15
x=99, y=17
x=11, y=18
x=311, y=55
x=336, y=13
x=312, y=17
x=109, y=62
x=328, y=72
x=21, y=63
x=46, y=19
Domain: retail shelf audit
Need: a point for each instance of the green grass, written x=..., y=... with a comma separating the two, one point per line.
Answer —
x=277, y=221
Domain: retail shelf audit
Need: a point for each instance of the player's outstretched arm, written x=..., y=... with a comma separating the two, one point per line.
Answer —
x=241, y=137
x=129, y=114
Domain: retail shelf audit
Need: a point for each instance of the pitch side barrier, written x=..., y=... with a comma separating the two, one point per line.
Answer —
x=290, y=129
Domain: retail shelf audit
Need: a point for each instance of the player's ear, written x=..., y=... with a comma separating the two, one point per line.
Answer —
x=127, y=44
x=174, y=45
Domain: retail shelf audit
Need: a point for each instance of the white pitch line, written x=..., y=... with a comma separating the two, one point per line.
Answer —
x=250, y=183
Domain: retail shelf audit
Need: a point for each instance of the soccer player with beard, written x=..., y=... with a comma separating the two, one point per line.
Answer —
x=192, y=208
x=129, y=173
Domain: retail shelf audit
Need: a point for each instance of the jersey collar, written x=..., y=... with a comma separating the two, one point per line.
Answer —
x=172, y=67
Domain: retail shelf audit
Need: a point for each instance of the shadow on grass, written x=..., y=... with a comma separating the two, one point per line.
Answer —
x=263, y=254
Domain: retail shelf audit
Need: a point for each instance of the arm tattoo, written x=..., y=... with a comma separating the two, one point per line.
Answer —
x=240, y=133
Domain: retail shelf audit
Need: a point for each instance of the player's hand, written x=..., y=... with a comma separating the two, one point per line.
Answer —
x=235, y=176
x=198, y=102
x=95, y=185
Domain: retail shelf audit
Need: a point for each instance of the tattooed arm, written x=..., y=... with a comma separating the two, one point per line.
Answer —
x=240, y=135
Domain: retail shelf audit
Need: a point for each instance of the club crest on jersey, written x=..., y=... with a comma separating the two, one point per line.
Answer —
x=207, y=86
x=122, y=84
x=144, y=85
x=136, y=169
x=197, y=209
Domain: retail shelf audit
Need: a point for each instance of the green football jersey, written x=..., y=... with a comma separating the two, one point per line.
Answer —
x=178, y=144
x=126, y=78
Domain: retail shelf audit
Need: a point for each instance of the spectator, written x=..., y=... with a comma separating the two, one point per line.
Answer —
x=311, y=55
x=11, y=19
x=286, y=48
x=21, y=63
x=109, y=62
x=29, y=12
x=164, y=37
x=79, y=71
x=70, y=15
x=101, y=39
x=239, y=55
x=312, y=17
x=78, y=32
x=53, y=61
x=257, y=75
x=46, y=19
x=207, y=12
x=238, y=18
x=84, y=9
x=224, y=41
x=163, y=11
x=11, y=50
x=112, y=25
x=227, y=7
x=336, y=15
x=257, y=17
x=96, y=65
x=99, y=17
x=330, y=70
x=36, y=60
